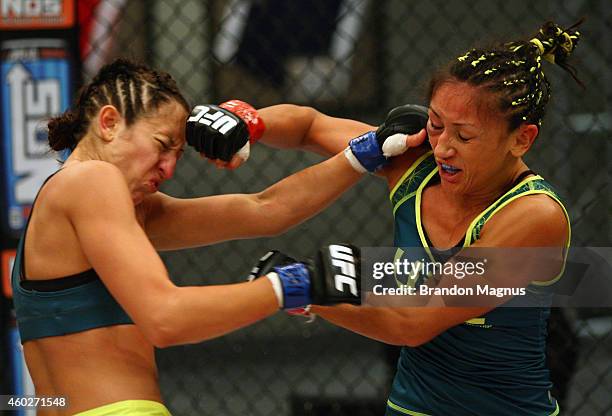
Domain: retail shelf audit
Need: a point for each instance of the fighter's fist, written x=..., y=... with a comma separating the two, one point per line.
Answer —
x=369, y=152
x=220, y=132
x=335, y=275
x=332, y=277
x=404, y=120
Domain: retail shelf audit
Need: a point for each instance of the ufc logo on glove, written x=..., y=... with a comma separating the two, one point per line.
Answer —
x=216, y=119
x=342, y=257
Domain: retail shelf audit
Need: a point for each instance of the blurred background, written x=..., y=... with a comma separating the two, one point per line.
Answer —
x=347, y=58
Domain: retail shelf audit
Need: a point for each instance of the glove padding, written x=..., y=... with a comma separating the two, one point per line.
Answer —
x=220, y=132
x=335, y=275
x=332, y=277
x=268, y=262
x=371, y=149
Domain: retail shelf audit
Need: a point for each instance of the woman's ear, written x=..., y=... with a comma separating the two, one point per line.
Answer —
x=523, y=138
x=108, y=122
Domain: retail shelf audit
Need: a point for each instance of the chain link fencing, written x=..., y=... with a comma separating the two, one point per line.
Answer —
x=358, y=59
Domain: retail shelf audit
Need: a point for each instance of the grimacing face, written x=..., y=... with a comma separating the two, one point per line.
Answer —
x=469, y=138
x=147, y=151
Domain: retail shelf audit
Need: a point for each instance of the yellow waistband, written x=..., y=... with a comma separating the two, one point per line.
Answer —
x=129, y=408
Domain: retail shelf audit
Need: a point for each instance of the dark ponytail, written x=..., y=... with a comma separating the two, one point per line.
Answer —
x=513, y=71
x=133, y=89
x=62, y=131
x=555, y=45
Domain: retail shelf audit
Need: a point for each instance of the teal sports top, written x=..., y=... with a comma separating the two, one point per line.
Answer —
x=66, y=305
x=491, y=365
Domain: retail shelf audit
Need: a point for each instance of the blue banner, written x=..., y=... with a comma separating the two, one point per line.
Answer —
x=35, y=85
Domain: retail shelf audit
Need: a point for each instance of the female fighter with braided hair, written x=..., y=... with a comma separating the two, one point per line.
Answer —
x=91, y=313
x=472, y=190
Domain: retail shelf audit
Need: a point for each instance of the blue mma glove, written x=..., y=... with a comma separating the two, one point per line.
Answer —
x=368, y=153
x=333, y=277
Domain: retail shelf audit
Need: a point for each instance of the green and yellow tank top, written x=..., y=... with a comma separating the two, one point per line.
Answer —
x=491, y=365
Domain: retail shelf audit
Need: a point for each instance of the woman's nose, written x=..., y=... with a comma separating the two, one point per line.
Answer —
x=443, y=148
x=167, y=167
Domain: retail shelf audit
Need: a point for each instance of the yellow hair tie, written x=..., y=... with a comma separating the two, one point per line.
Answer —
x=538, y=43
x=568, y=43
x=482, y=58
x=550, y=56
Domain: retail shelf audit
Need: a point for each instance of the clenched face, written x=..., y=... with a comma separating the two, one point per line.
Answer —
x=148, y=150
x=470, y=139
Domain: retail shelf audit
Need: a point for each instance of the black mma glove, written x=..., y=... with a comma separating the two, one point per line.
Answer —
x=332, y=277
x=268, y=262
x=335, y=275
x=220, y=132
x=370, y=151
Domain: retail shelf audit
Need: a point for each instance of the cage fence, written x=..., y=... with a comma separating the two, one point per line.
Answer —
x=358, y=59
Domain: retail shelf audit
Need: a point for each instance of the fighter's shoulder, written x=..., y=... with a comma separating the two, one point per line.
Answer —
x=88, y=181
x=90, y=173
x=531, y=220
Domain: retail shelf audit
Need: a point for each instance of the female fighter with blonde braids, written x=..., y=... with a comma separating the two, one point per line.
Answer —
x=473, y=190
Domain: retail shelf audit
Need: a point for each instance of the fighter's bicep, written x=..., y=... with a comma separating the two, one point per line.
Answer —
x=114, y=243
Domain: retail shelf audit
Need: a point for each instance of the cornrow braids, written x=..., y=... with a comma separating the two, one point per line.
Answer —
x=135, y=90
x=513, y=71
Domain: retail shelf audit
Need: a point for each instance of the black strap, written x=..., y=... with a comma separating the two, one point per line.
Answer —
x=51, y=285
x=430, y=244
x=22, y=274
x=518, y=180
